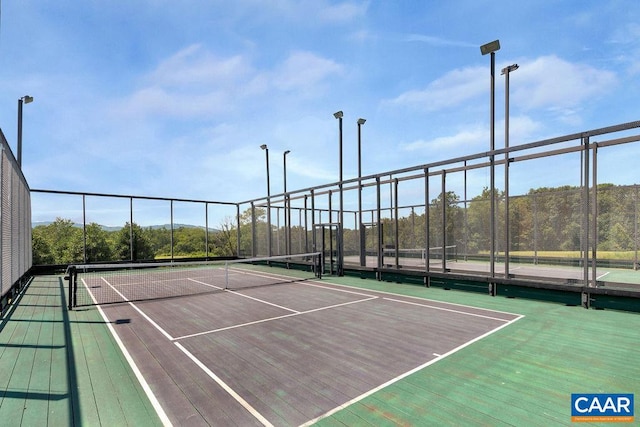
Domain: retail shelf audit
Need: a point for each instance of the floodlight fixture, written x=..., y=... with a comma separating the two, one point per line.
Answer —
x=263, y=146
x=361, y=121
x=338, y=114
x=287, y=152
x=509, y=69
x=23, y=100
x=490, y=47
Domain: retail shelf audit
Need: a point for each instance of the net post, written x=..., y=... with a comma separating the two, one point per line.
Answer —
x=75, y=287
x=317, y=265
x=71, y=275
x=226, y=275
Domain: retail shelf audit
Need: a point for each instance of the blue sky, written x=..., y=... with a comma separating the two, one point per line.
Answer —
x=174, y=98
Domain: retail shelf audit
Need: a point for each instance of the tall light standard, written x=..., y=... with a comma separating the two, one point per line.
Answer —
x=266, y=150
x=363, y=255
x=505, y=72
x=491, y=48
x=287, y=212
x=25, y=99
x=338, y=115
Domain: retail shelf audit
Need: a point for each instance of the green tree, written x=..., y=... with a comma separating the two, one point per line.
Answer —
x=98, y=247
x=65, y=241
x=41, y=246
x=225, y=240
x=141, y=248
x=453, y=217
x=160, y=240
x=189, y=241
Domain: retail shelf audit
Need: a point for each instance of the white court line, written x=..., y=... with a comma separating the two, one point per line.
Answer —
x=600, y=277
x=332, y=288
x=142, y=313
x=262, y=301
x=428, y=299
x=268, y=275
x=225, y=386
x=136, y=371
x=406, y=374
x=206, y=284
x=298, y=313
x=466, y=313
x=243, y=295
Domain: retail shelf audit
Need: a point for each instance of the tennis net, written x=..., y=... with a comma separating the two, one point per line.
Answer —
x=96, y=284
x=419, y=255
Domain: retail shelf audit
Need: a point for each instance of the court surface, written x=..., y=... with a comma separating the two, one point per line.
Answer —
x=285, y=354
x=612, y=276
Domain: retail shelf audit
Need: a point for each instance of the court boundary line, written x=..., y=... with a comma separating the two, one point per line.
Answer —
x=155, y=403
x=246, y=405
x=428, y=299
x=164, y=418
x=136, y=308
x=331, y=287
x=446, y=309
x=408, y=373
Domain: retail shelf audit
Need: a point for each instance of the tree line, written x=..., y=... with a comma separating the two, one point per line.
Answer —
x=544, y=219
x=62, y=242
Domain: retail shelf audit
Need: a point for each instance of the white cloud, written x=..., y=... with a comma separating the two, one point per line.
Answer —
x=552, y=83
x=303, y=71
x=197, y=66
x=471, y=138
x=341, y=12
x=521, y=129
x=465, y=138
x=437, y=41
x=196, y=83
x=450, y=90
x=548, y=82
x=307, y=12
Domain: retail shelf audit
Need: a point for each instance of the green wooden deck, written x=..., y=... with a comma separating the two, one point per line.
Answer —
x=64, y=368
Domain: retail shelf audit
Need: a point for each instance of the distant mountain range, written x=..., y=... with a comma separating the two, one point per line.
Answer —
x=117, y=228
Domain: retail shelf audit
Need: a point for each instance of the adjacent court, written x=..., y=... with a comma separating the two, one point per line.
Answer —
x=288, y=353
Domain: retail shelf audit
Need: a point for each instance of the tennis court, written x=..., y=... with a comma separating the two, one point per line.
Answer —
x=288, y=353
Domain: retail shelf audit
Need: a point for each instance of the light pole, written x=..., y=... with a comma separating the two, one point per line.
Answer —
x=491, y=48
x=284, y=162
x=287, y=212
x=266, y=150
x=505, y=72
x=363, y=255
x=338, y=115
x=26, y=99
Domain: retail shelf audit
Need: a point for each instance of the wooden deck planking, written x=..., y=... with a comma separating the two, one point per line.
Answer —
x=192, y=397
x=14, y=404
x=522, y=374
x=62, y=368
x=302, y=355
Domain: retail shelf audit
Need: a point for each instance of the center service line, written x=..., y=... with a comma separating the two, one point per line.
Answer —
x=298, y=313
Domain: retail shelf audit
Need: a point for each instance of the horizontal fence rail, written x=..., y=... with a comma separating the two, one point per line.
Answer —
x=550, y=221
